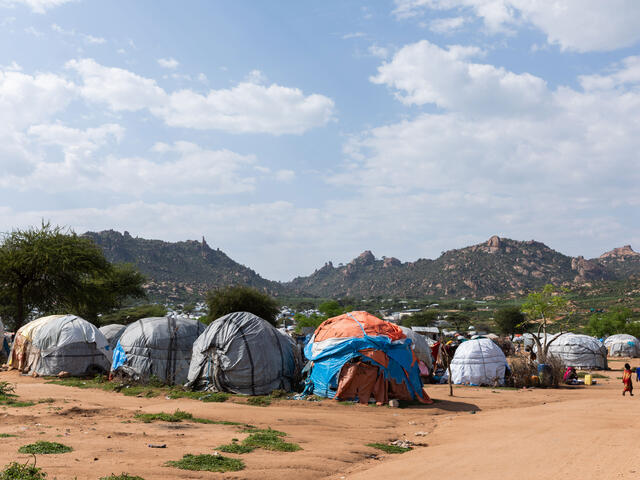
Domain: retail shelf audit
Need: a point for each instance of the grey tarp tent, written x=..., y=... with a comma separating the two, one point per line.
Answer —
x=112, y=333
x=622, y=345
x=242, y=353
x=158, y=347
x=420, y=346
x=64, y=343
x=580, y=351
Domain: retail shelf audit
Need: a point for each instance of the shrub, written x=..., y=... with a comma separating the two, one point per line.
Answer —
x=18, y=471
x=521, y=372
x=389, y=448
x=208, y=463
x=241, y=299
x=45, y=448
x=122, y=476
x=259, y=401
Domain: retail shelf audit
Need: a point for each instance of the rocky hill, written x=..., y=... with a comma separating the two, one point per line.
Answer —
x=497, y=266
x=179, y=271
x=183, y=271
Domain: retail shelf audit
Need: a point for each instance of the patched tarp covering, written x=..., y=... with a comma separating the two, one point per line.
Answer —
x=157, y=347
x=622, y=345
x=112, y=333
x=478, y=362
x=581, y=351
x=243, y=353
x=361, y=337
x=420, y=346
x=61, y=343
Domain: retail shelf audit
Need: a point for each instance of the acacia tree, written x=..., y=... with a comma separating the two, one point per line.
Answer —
x=53, y=270
x=510, y=320
x=241, y=299
x=543, y=307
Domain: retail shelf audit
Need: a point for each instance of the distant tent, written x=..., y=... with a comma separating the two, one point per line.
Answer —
x=243, y=353
x=157, y=347
x=420, y=346
x=112, y=333
x=622, y=345
x=478, y=362
x=60, y=343
x=581, y=351
x=356, y=356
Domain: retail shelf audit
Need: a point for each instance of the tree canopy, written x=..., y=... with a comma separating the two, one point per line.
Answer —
x=241, y=299
x=421, y=319
x=619, y=320
x=52, y=270
x=510, y=320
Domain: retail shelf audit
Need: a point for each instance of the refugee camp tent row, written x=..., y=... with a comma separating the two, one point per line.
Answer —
x=356, y=356
x=622, y=345
x=60, y=343
x=580, y=351
x=478, y=362
x=157, y=348
x=112, y=333
x=243, y=353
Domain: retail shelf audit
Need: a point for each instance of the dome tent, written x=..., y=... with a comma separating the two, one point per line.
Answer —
x=581, y=351
x=157, y=347
x=356, y=356
x=60, y=343
x=622, y=345
x=478, y=362
x=420, y=346
x=243, y=353
x=112, y=333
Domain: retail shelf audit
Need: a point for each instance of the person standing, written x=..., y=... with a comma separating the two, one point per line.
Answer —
x=626, y=380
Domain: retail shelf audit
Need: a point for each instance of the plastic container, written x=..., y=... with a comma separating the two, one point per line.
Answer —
x=587, y=379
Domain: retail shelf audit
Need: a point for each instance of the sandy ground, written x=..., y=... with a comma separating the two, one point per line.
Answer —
x=568, y=433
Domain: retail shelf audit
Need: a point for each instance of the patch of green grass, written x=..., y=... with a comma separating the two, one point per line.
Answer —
x=100, y=382
x=45, y=448
x=270, y=441
x=389, y=448
x=176, y=416
x=202, y=396
x=346, y=402
x=236, y=448
x=208, y=463
x=7, y=389
x=259, y=401
x=279, y=393
x=19, y=471
x=252, y=429
x=11, y=401
x=7, y=435
x=122, y=476
x=46, y=400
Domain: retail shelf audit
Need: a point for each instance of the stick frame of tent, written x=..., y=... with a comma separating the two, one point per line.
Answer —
x=442, y=353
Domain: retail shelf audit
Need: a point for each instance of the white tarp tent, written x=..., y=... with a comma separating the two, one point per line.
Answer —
x=60, y=343
x=112, y=333
x=420, y=346
x=478, y=362
x=580, y=351
x=622, y=345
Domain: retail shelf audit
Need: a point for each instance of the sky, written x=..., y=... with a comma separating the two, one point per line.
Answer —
x=291, y=133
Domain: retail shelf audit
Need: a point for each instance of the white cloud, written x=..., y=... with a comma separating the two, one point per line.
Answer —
x=579, y=25
x=33, y=31
x=424, y=73
x=447, y=25
x=247, y=107
x=378, y=51
x=170, y=63
x=37, y=6
x=89, y=39
x=285, y=175
x=348, y=36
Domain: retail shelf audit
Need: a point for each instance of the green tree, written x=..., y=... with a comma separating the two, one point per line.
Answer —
x=459, y=320
x=241, y=299
x=510, y=320
x=53, y=270
x=421, y=319
x=129, y=315
x=619, y=320
x=331, y=308
x=314, y=320
x=542, y=308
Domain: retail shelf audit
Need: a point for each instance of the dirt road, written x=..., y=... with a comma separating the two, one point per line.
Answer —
x=572, y=433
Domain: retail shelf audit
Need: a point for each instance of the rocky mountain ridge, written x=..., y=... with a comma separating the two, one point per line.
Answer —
x=498, y=266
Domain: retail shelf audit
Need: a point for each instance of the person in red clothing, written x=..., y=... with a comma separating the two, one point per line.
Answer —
x=626, y=380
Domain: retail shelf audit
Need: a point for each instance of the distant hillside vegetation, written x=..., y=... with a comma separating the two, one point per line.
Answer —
x=184, y=271
x=498, y=266
x=179, y=271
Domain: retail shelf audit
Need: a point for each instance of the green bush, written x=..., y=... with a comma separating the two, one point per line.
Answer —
x=241, y=299
x=45, y=448
x=208, y=463
x=19, y=471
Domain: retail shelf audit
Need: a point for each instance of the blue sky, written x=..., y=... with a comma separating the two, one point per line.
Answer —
x=293, y=133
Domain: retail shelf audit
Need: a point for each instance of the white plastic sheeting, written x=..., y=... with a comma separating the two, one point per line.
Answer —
x=64, y=343
x=622, y=345
x=580, y=351
x=478, y=362
x=112, y=333
x=420, y=346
